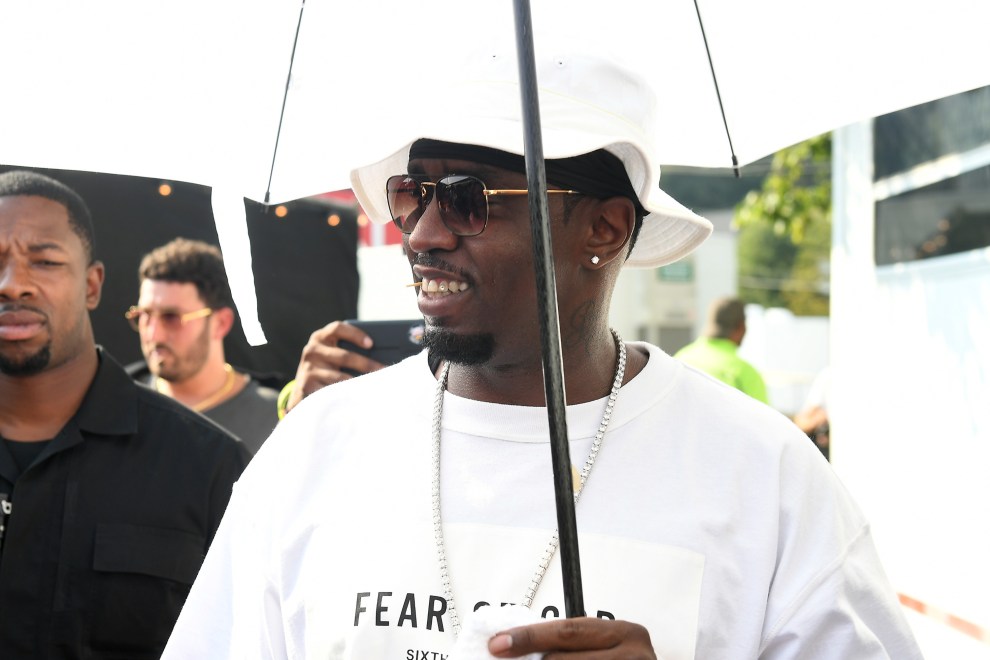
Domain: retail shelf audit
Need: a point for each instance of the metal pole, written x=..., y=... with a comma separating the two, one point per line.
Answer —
x=546, y=297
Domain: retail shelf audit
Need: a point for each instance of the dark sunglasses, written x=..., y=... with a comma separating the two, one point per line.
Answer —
x=462, y=200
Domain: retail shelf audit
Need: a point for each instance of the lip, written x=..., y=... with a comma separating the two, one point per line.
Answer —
x=427, y=273
x=440, y=306
x=159, y=352
x=20, y=326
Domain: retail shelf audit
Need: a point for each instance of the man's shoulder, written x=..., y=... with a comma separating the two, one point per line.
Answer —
x=253, y=401
x=159, y=413
x=260, y=390
x=119, y=405
x=165, y=421
x=138, y=371
x=687, y=349
x=378, y=397
x=748, y=369
x=703, y=348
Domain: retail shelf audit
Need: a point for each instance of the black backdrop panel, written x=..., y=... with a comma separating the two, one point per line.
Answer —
x=305, y=268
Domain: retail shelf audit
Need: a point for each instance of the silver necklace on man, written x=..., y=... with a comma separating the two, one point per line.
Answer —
x=551, y=549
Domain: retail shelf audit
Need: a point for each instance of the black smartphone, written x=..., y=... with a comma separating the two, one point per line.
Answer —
x=394, y=340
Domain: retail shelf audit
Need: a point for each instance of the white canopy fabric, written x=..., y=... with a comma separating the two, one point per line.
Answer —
x=192, y=89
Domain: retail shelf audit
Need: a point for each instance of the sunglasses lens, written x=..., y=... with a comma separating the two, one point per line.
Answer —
x=460, y=198
x=171, y=320
x=463, y=205
x=405, y=201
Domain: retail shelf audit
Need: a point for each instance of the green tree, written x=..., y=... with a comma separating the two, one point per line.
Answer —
x=766, y=258
x=785, y=231
x=807, y=293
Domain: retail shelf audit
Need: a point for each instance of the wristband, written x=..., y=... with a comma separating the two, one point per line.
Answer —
x=282, y=402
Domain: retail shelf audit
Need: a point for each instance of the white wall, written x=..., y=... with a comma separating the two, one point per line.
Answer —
x=910, y=406
x=716, y=267
x=788, y=350
x=630, y=307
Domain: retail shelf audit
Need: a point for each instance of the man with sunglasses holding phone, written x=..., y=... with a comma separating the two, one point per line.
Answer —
x=110, y=494
x=414, y=502
x=184, y=312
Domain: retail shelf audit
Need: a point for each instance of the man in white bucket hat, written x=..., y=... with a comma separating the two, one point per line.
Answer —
x=392, y=513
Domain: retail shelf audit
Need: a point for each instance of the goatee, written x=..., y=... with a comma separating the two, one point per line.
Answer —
x=29, y=366
x=459, y=349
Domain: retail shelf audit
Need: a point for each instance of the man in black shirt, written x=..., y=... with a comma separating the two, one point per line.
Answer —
x=109, y=493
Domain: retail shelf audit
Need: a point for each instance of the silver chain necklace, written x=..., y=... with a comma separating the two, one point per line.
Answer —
x=551, y=549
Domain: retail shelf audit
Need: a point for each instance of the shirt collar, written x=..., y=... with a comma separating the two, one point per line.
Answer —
x=110, y=404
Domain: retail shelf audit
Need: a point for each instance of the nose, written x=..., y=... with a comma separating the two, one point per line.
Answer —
x=16, y=282
x=430, y=233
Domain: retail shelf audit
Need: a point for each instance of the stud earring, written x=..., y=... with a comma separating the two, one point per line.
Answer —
x=595, y=260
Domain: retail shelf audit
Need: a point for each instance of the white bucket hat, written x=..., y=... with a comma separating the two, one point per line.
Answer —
x=586, y=103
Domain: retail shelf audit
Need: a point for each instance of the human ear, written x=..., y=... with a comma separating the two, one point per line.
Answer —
x=610, y=231
x=95, y=273
x=223, y=322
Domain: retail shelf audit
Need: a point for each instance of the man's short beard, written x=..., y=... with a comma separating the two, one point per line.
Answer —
x=459, y=349
x=29, y=366
x=185, y=366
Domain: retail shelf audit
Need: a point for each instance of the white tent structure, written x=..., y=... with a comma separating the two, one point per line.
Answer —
x=910, y=398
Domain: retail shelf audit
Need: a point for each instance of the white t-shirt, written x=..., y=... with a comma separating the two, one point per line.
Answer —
x=708, y=518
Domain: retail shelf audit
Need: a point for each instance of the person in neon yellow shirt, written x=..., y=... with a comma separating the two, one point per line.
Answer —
x=715, y=353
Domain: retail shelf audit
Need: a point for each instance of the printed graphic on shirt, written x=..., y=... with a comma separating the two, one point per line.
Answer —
x=383, y=608
x=383, y=598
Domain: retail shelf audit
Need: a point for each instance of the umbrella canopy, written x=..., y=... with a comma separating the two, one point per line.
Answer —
x=192, y=90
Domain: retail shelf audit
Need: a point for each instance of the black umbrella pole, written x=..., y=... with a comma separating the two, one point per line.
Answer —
x=546, y=297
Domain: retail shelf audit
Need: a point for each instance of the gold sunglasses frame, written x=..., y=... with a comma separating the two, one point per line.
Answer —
x=133, y=315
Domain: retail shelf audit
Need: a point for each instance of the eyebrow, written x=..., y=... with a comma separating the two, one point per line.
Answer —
x=44, y=247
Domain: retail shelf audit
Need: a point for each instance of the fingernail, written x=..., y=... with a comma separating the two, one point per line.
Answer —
x=500, y=643
x=368, y=342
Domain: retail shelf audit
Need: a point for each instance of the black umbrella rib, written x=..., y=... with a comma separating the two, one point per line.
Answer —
x=546, y=296
x=718, y=94
x=285, y=97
